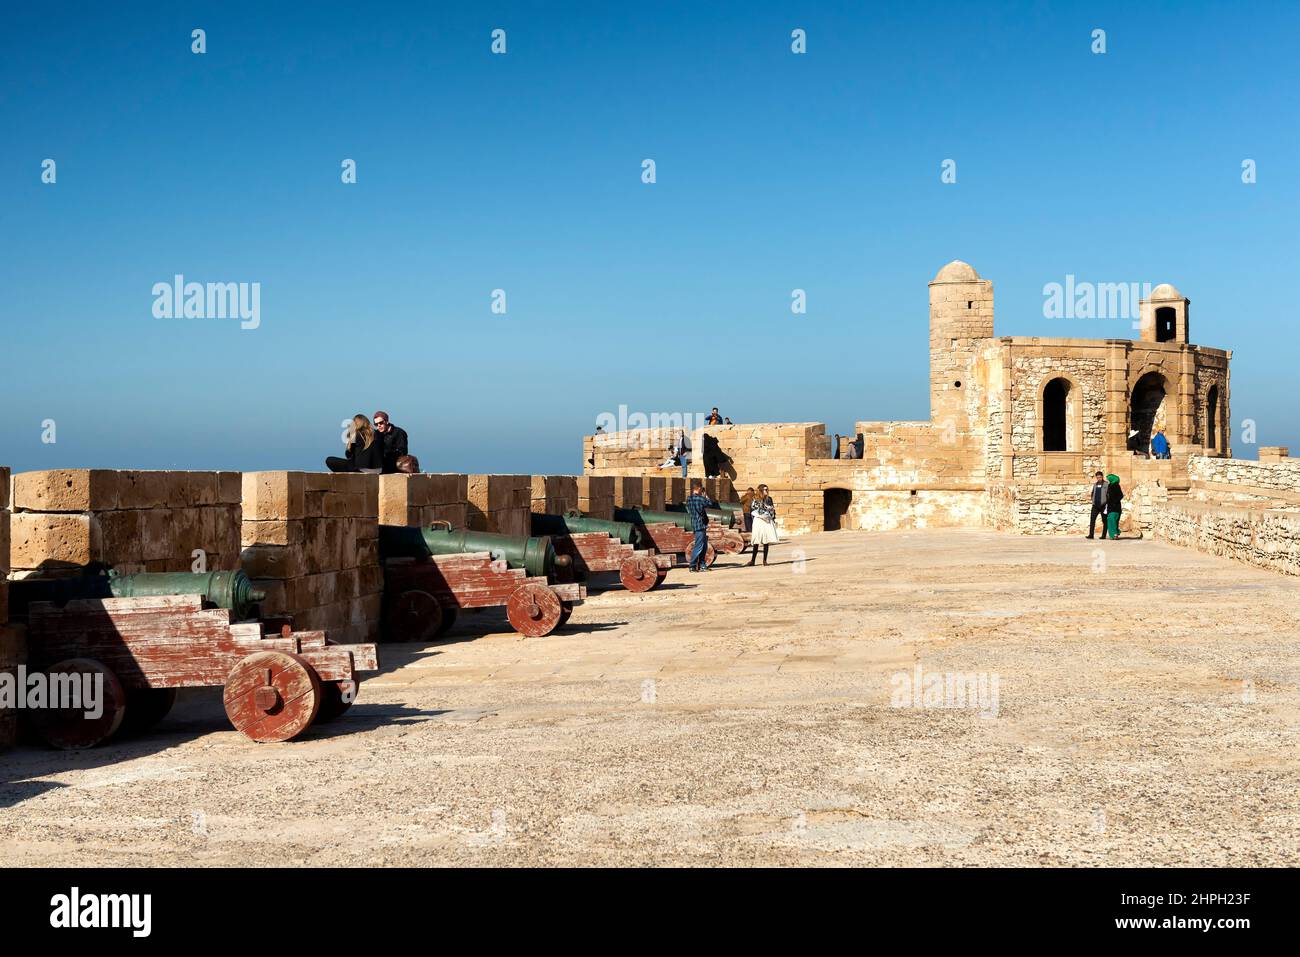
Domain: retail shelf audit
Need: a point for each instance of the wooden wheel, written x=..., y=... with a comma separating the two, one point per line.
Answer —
x=272, y=695
x=660, y=575
x=566, y=612
x=69, y=728
x=710, y=555
x=448, y=620
x=414, y=616
x=534, y=610
x=145, y=707
x=638, y=573
x=336, y=697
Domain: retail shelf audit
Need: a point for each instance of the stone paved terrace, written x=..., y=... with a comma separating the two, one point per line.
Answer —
x=1125, y=731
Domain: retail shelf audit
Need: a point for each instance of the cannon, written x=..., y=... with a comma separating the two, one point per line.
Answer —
x=678, y=515
x=597, y=545
x=671, y=533
x=141, y=637
x=574, y=522
x=535, y=555
x=723, y=515
x=230, y=590
x=430, y=574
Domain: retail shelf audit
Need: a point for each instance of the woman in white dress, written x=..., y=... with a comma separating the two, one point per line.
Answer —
x=764, y=530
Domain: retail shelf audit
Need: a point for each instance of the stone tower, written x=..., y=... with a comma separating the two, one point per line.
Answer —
x=961, y=324
x=1164, y=315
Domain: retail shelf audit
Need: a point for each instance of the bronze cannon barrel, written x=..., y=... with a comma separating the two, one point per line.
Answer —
x=232, y=590
x=535, y=554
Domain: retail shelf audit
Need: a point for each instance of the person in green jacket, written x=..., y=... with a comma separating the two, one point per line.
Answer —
x=1114, y=496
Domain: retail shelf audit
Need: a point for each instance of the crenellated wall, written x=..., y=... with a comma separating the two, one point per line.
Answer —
x=311, y=542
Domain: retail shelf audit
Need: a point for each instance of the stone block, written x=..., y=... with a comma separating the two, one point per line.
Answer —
x=66, y=490
x=269, y=496
x=39, y=539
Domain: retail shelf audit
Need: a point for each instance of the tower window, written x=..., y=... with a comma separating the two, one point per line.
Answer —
x=1166, y=324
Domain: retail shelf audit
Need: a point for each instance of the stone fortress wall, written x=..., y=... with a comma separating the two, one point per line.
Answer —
x=307, y=539
x=1018, y=426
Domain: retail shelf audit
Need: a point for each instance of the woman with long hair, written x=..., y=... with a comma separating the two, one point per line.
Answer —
x=764, y=529
x=364, y=453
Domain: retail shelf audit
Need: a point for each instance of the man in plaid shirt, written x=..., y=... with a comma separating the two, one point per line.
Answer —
x=696, y=503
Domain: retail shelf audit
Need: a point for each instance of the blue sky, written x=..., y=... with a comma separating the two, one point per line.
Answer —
x=522, y=172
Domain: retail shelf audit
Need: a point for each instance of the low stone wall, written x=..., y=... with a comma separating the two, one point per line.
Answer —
x=1265, y=538
x=772, y=453
x=13, y=651
x=311, y=542
x=64, y=519
x=1045, y=508
x=1268, y=484
x=4, y=546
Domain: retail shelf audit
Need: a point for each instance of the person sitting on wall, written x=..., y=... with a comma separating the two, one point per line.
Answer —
x=408, y=465
x=727, y=421
x=1159, y=445
x=714, y=418
x=393, y=441
x=365, y=451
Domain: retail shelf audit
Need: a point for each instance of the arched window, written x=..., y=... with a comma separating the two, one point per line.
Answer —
x=1147, y=410
x=1166, y=324
x=1212, y=418
x=1056, y=396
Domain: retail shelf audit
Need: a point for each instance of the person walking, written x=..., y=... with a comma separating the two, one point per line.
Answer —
x=696, y=504
x=764, y=524
x=746, y=503
x=1098, y=506
x=1114, y=496
x=365, y=452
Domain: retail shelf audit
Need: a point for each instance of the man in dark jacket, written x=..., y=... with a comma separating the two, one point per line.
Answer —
x=1098, y=506
x=394, y=440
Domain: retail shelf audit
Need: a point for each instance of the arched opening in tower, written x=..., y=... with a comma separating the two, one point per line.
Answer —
x=835, y=508
x=1212, y=418
x=1056, y=395
x=1147, y=411
x=1166, y=324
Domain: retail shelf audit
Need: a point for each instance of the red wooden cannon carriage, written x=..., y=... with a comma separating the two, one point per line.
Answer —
x=638, y=569
x=423, y=595
x=670, y=538
x=144, y=648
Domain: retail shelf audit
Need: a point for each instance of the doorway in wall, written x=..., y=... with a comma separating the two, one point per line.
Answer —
x=835, y=508
x=1147, y=409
